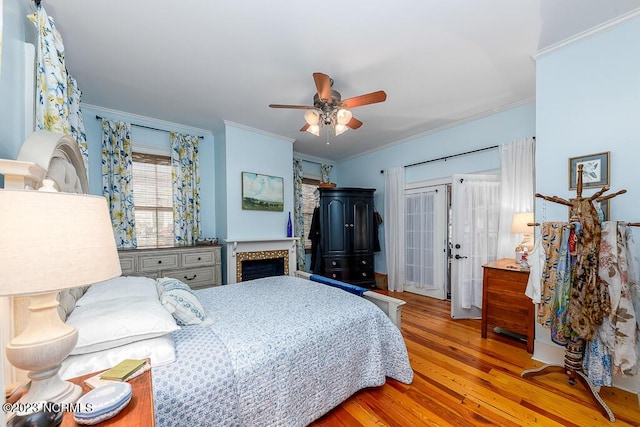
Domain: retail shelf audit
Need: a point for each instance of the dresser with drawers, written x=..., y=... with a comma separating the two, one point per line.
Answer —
x=197, y=266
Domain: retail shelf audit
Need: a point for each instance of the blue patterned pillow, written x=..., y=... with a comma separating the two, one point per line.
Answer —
x=178, y=298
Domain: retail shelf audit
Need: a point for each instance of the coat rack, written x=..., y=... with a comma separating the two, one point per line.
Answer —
x=585, y=213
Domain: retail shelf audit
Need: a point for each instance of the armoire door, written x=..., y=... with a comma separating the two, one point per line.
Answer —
x=336, y=229
x=361, y=224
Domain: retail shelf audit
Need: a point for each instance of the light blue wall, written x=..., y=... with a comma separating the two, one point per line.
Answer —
x=16, y=30
x=252, y=151
x=499, y=128
x=588, y=101
x=158, y=138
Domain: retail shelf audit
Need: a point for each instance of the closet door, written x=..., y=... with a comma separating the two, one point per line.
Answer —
x=475, y=211
x=361, y=224
x=425, y=241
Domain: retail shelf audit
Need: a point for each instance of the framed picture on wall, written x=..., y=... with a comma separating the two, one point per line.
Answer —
x=262, y=192
x=595, y=170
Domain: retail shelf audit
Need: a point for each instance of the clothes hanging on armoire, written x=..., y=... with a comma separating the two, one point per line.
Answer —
x=314, y=236
x=377, y=221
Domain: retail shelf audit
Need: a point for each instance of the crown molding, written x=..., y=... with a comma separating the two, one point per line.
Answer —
x=472, y=118
x=160, y=124
x=588, y=33
x=260, y=131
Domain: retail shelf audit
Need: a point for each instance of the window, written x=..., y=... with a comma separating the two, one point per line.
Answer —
x=153, y=200
x=309, y=186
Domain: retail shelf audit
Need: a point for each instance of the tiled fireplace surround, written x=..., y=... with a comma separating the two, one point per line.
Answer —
x=239, y=250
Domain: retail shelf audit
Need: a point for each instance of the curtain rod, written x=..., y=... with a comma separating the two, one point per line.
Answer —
x=146, y=127
x=451, y=156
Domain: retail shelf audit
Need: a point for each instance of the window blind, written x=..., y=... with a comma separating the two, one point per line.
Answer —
x=153, y=200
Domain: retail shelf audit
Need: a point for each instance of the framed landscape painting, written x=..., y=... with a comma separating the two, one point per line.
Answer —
x=262, y=192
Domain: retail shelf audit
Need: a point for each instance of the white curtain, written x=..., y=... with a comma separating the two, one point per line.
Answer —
x=475, y=222
x=517, y=181
x=394, y=227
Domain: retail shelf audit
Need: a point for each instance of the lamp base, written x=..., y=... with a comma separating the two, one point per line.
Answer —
x=47, y=386
x=40, y=349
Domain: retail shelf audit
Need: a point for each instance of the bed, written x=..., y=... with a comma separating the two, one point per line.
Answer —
x=274, y=351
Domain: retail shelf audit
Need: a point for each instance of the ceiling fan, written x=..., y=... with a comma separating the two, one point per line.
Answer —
x=330, y=110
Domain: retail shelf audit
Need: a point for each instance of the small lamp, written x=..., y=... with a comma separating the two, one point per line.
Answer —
x=519, y=226
x=51, y=241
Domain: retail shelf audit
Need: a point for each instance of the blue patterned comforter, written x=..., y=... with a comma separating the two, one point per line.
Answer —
x=281, y=351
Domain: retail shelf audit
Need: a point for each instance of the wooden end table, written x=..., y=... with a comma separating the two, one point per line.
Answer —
x=138, y=413
x=504, y=303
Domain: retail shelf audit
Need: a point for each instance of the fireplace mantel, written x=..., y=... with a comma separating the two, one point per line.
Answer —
x=243, y=246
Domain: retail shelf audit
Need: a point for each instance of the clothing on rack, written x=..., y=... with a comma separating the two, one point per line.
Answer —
x=550, y=238
x=589, y=302
x=561, y=332
x=618, y=330
x=536, y=264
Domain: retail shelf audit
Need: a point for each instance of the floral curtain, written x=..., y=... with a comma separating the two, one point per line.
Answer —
x=117, y=183
x=186, y=188
x=57, y=93
x=325, y=170
x=298, y=217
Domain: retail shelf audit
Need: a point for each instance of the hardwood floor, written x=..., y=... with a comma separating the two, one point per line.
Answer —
x=463, y=380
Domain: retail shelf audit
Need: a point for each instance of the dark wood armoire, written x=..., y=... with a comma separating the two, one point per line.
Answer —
x=347, y=235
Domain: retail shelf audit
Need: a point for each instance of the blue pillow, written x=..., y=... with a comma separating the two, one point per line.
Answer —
x=178, y=298
x=357, y=290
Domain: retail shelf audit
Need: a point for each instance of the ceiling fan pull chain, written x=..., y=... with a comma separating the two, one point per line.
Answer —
x=327, y=128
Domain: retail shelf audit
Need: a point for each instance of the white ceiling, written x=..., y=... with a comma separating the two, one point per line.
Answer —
x=199, y=62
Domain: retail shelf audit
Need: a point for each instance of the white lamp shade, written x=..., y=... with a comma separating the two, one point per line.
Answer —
x=314, y=130
x=343, y=116
x=312, y=117
x=340, y=129
x=52, y=241
x=520, y=221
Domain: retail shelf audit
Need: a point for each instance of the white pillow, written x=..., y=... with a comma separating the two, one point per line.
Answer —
x=112, y=323
x=160, y=350
x=178, y=298
x=119, y=288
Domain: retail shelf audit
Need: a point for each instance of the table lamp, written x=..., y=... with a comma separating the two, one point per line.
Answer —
x=51, y=241
x=519, y=226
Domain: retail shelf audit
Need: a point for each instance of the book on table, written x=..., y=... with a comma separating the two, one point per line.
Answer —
x=123, y=370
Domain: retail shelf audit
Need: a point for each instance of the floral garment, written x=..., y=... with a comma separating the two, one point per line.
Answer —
x=551, y=236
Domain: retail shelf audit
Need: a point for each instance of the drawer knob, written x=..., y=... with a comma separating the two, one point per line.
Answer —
x=159, y=261
x=364, y=261
x=199, y=258
x=364, y=274
x=334, y=263
x=190, y=278
x=334, y=275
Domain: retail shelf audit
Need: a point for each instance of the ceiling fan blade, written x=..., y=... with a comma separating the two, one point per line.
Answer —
x=305, y=127
x=297, y=107
x=323, y=84
x=354, y=123
x=369, y=98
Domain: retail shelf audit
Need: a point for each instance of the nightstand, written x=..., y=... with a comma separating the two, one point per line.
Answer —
x=504, y=303
x=138, y=413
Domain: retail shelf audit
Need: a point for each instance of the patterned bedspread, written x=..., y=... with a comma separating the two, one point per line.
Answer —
x=282, y=351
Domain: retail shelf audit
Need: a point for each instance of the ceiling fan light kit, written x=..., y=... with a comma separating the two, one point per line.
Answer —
x=329, y=110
